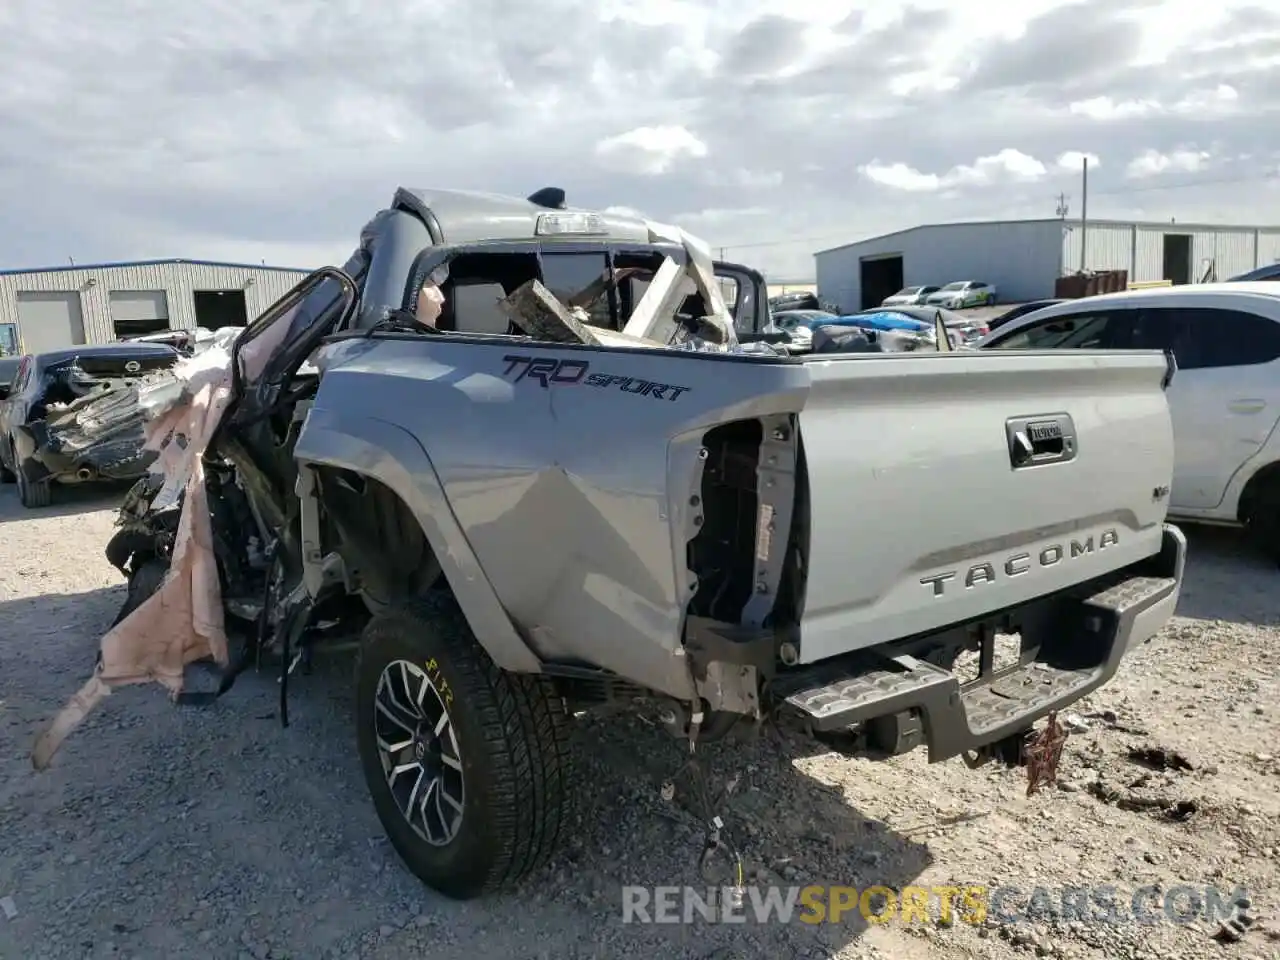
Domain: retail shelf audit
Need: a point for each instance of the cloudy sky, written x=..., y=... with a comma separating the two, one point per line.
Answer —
x=229, y=129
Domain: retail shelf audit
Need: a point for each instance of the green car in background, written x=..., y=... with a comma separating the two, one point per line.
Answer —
x=963, y=293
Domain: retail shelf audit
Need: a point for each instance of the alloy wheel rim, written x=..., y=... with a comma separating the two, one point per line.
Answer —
x=418, y=747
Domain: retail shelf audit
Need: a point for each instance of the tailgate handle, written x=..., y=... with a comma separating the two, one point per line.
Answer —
x=1039, y=440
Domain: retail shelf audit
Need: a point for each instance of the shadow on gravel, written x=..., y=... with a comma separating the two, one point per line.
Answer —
x=791, y=829
x=68, y=500
x=1226, y=579
x=196, y=832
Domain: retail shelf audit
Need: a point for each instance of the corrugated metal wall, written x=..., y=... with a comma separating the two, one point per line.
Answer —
x=1268, y=247
x=1106, y=247
x=261, y=288
x=1021, y=258
x=1139, y=248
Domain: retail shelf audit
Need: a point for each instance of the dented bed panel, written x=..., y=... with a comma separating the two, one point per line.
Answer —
x=920, y=518
x=569, y=472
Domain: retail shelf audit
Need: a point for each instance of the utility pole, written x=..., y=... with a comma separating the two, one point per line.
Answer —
x=1062, y=206
x=1084, y=208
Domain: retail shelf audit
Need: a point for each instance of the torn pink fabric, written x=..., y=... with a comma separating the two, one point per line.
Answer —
x=182, y=622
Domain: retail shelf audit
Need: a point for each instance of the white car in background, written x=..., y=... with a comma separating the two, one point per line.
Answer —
x=963, y=293
x=908, y=297
x=1224, y=396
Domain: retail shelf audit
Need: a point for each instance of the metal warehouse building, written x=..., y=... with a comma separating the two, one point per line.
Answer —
x=1023, y=258
x=50, y=309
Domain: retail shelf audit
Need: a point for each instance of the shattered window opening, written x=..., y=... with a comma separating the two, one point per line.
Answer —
x=631, y=289
x=567, y=275
x=470, y=313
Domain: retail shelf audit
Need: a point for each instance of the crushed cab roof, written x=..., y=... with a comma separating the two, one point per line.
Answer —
x=464, y=216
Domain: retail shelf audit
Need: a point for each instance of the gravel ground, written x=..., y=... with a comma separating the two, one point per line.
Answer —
x=185, y=832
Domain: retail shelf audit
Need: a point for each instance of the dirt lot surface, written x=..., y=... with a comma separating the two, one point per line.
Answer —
x=183, y=832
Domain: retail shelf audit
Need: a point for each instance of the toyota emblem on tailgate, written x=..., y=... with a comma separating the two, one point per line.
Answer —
x=133, y=366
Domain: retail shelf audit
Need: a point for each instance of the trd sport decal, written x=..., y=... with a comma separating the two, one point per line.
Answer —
x=548, y=372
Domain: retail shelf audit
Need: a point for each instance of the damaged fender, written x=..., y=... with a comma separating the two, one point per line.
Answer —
x=393, y=456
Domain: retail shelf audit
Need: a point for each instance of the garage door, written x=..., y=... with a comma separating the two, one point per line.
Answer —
x=135, y=312
x=49, y=321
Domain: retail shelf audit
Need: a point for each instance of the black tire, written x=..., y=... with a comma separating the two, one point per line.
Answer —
x=507, y=743
x=1262, y=519
x=34, y=495
x=144, y=580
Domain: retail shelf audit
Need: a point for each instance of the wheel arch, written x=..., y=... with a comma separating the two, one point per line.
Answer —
x=383, y=452
x=1262, y=478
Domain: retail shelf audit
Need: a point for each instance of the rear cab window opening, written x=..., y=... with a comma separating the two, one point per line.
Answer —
x=479, y=278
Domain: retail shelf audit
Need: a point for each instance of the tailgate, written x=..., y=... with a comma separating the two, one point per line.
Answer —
x=920, y=519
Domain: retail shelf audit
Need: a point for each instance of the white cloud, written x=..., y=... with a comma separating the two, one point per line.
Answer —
x=1007, y=166
x=1221, y=100
x=230, y=130
x=899, y=176
x=624, y=211
x=1072, y=161
x=650, y=150
x=1152, y=163
x=1105, y=108
x=1218, y=101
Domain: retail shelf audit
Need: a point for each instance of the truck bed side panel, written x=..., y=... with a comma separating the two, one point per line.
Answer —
x=571, y=483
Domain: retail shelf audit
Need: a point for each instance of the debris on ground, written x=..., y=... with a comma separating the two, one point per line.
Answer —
x=8, y=908
x=1074, y=723
x=1160, y=758
x=1169, y=808
x=1044, y=753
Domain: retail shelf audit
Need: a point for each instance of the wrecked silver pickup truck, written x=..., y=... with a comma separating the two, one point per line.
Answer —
x=525, y=453
x=69, y=416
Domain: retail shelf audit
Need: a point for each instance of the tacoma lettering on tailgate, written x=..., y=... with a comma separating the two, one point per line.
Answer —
x=1020, y=563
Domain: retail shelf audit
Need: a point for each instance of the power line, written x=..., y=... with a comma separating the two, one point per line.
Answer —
x=1121, y=191
x=1155, y=187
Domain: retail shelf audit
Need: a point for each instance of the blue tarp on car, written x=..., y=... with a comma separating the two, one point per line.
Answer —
x=879, y=320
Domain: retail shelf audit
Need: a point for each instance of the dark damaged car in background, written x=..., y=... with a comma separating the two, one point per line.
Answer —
x=71, y=416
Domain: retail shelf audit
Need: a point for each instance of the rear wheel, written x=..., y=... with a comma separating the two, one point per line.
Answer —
x=468, y=766
x=1262, y=518
x=34, y=495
